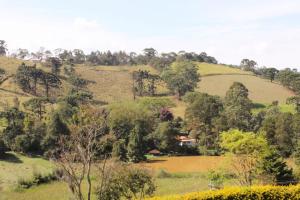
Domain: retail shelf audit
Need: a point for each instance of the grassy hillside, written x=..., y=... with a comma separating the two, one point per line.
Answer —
x=114, y=83
x=207, y=69
x=260, y=90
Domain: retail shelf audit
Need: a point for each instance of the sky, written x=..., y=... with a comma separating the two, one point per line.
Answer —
x=267, y=31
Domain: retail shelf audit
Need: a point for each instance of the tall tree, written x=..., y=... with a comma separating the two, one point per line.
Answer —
x=49, y=81
x=136, y=148
x=237, y=107
x=55, y=65
x=200, y=113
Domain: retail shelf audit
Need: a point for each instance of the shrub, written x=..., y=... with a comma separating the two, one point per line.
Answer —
x=163, y=174
x=238, y=193
x=37, y=179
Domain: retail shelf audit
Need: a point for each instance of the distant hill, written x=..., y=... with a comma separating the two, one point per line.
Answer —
x=114, y=83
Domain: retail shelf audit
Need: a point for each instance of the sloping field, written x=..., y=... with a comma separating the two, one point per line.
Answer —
x=260, y=90
x=206, y=69
x=111, y=83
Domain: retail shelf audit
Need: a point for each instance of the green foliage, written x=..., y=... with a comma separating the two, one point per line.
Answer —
x=37, y=179
x=77, y=82
x=122, y=118
x=181, y=77
x=275, y=170
x=3, y=48
x=164, y=137
x=55, y=128
x=119, y=150
x=237, y=107
x=126, y=182
x=145, y=83
x=55, y=64
x=36, y=106
x=136, y=145
x=216, y=179
x=200, y=114
x=295, y=101
x=238, y=142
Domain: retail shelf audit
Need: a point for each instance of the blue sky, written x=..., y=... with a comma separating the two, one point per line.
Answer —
x=267, y=31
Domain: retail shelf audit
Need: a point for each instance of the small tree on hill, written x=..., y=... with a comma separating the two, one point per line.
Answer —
x=49, y=81
x=181, y=77
x=36, y=106
x=55, y=65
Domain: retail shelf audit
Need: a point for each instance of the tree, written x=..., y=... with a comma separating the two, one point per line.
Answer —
x=79, y=56
x=275, y=170
x=77, y=82
x=56, y=128
x=295, y=101
x=248, y=65
x=246, y=149
x=200, y=114
x=136, y=147
x=14, y=119
x=36, y=106
x=55, y=65
x=165, y=115
x=81, y=146
x=22, y=53
x=49, y=81
x=123, y=181
x=237, y=107
x=165, y=137
x=3, y=48
x=2, y=74
x=284, y=134
x=27, y=78
x=150, y=53
x=270, y=73
x=181, y=77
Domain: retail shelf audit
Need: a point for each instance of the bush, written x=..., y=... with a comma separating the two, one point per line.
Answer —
x=37, y=179
x=163, y=174
x=238, y=193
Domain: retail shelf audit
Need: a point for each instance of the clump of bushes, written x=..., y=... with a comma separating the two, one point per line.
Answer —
x=39, y=178
x=237, y=193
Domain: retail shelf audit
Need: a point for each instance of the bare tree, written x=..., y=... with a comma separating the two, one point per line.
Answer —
x=76, y=153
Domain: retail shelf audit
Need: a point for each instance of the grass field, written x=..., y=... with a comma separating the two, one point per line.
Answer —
x=188, y=175
x=206, y=69
x=183, y=164
x=260, y=90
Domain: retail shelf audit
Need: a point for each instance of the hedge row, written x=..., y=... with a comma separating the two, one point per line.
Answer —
x=241, y=193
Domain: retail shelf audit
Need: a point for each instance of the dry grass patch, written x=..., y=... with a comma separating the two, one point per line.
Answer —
x=186, y=163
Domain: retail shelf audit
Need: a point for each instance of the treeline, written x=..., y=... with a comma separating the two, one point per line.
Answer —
x=77, y=56
x=288, y=77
